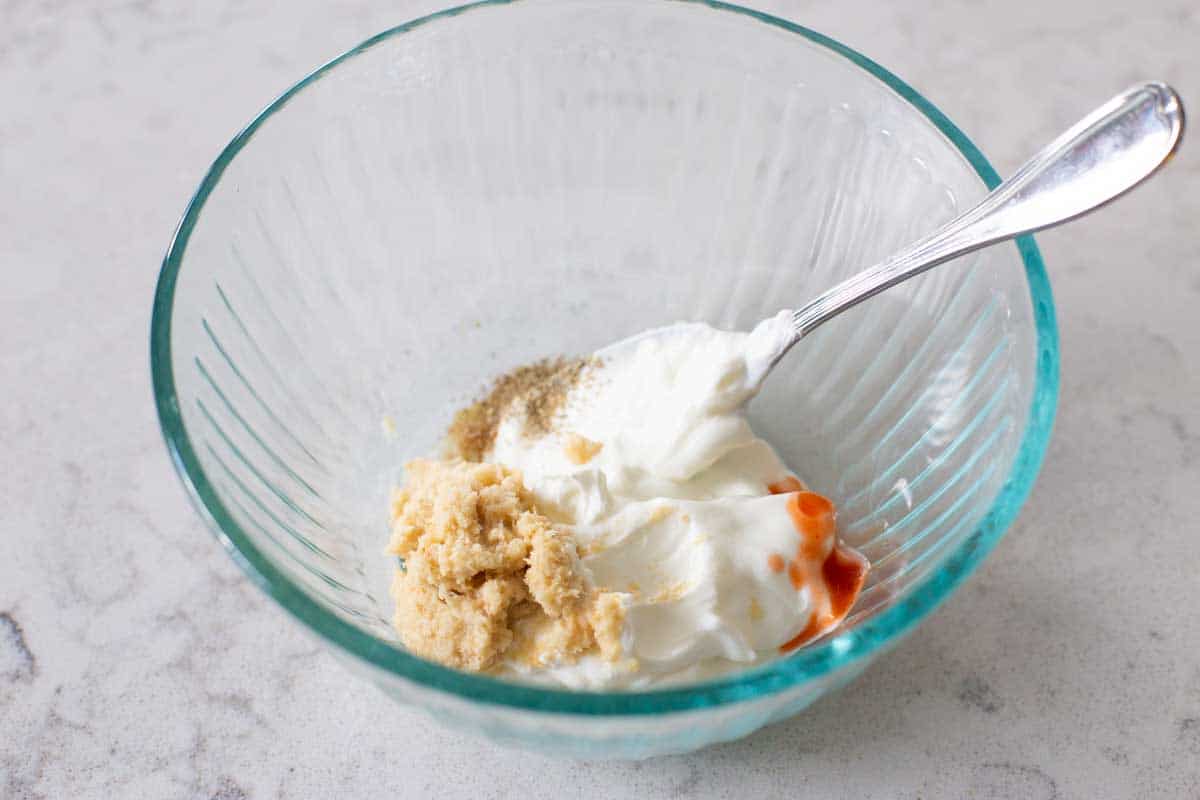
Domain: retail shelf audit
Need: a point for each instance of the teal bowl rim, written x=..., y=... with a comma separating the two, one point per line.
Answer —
x=806, y=665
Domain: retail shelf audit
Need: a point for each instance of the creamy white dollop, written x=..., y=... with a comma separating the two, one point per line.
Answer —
x=673, y=510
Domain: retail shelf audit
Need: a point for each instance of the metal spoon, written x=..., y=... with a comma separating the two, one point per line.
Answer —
x=1101, y=157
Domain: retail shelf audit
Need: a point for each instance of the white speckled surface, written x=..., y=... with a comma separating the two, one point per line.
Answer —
x=136, y=662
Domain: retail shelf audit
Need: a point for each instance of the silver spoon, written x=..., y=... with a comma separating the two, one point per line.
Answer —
x=1101, y=157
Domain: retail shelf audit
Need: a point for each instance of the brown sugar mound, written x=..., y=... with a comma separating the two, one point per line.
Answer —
x=536, y=391
x=486, y=576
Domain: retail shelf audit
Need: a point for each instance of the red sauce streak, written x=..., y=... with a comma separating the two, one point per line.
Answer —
x=843, y=570
x=776, y=562
x=813, y=505
x=812, y=516
x=788, y=484
x=810, y=632
x=795, y=576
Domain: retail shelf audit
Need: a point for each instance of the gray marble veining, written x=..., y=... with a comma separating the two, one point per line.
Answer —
x=136, y=662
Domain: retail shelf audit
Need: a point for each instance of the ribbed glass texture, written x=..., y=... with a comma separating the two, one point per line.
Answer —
x=496, y=184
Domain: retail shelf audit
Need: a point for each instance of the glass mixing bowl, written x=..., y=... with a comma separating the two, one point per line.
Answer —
x=505, y=181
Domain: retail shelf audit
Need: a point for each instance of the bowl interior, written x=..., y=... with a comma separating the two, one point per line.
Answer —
x=470, y=194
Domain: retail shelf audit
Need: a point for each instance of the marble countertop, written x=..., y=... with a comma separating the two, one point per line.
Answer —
x=135, y=661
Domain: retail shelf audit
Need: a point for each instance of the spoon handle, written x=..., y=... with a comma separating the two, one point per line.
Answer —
x=1101, y=157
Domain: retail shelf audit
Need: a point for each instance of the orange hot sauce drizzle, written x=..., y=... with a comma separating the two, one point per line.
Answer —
x=809, y=633
x=843, y=570
x=812, y=516
x=788, y=484
x=795, y=575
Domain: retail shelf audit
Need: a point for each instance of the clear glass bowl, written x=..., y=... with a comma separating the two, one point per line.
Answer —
x=496, y=183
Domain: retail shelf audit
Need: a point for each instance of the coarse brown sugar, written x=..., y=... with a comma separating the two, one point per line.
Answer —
x=486, y=577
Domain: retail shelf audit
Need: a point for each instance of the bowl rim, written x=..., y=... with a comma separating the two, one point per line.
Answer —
x=756, y=683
